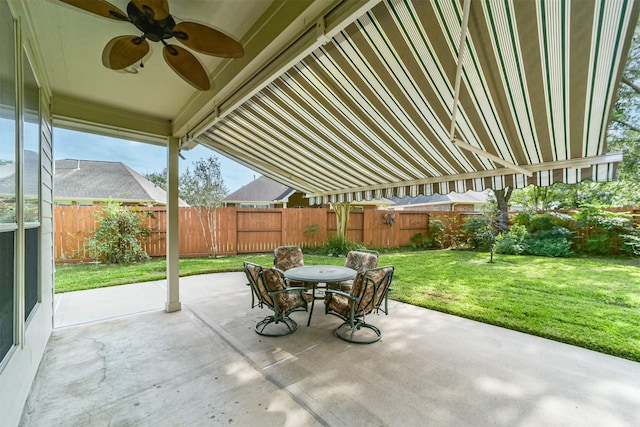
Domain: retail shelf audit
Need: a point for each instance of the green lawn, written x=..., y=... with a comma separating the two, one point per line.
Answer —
x=589, y=302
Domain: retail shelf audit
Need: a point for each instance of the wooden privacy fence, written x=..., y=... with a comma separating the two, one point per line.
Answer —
x=243, y=230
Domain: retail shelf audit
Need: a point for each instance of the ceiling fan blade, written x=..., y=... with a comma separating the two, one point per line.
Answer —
x=123, y=51
x=204, y=39
x=187, y=66
x=99, y=7
x=157, y=9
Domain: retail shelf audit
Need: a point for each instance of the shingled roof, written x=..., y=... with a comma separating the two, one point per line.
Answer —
x=261, y=190
x=8, y=175
x=470, y=197
x=96, y=181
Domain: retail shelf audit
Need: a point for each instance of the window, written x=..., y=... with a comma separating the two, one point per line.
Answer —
x=8, y=223
x=31, y=185
x=7, y=118
x=31, y=176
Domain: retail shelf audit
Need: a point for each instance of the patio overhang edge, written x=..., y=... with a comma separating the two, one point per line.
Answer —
x=608, y=159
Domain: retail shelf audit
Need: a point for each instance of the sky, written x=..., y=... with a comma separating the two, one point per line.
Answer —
x=143, y=158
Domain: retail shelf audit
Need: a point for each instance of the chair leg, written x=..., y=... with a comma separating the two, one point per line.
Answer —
x=313, y=303
x=386, y=303
x=291, y=325
x=348, y=333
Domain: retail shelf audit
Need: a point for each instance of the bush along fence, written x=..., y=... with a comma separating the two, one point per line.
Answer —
x=244, y=230
x=590, y=231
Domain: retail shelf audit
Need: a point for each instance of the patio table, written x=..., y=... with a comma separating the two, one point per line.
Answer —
x=317, y=274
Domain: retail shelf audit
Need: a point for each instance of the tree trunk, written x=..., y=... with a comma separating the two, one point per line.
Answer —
x=502, y=199
x=342, y=218
x=202, y=229
x=211, y=224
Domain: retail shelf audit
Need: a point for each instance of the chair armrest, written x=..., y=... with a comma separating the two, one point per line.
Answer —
x=344, y=294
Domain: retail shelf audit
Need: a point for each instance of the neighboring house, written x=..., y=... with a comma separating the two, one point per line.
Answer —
x=89, y=182
x=266, y=193
x=470, y=201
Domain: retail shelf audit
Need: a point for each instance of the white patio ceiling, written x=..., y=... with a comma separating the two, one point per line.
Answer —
x=369, y=113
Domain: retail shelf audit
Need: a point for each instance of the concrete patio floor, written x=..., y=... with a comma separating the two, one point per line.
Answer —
x=115, y=358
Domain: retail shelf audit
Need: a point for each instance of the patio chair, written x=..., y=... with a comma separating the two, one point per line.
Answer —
x=367, y=294
x=269, y=287
x=360, y=261
x=286, y=257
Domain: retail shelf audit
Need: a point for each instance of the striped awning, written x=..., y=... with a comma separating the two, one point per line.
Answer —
x=375, y=112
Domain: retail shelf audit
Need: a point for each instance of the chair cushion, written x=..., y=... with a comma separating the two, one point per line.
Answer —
x=377, y=275
x=287, y=301
x=338, y=303
x=344, y=286
x=361, y=261
x=254, y=271
x=357, y=284
x=365, y=305
x=286, y=257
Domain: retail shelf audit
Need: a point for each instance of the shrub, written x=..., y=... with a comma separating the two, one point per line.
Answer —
x=419, y=241
x=550, y=220
x=480, y=231
x=117, y=238
x=436, y=233
x=549, y=235
x=336, y=246
x=603, y=232
x=549, y=247
x=632, y=244
x=511, y=243
x=523, y=218
x=555, y=242
x=597, y=244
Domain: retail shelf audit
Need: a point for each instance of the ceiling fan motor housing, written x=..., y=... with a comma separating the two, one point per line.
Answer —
x=154, y=30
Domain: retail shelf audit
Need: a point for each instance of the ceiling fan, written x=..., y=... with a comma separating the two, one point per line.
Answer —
x=152, y=18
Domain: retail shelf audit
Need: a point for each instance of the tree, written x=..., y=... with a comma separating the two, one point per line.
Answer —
x=204, y=190
x=158, y=178
x=117, y=240
x=342, y=219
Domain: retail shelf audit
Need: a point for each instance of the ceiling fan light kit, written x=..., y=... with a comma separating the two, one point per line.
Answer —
x=153, y=19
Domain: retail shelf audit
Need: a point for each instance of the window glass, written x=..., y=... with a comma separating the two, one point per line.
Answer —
x=31, y=185
x=31, y=177
x=7, y=117
x=31, y=269
x=7, y=179
x=7, y=291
